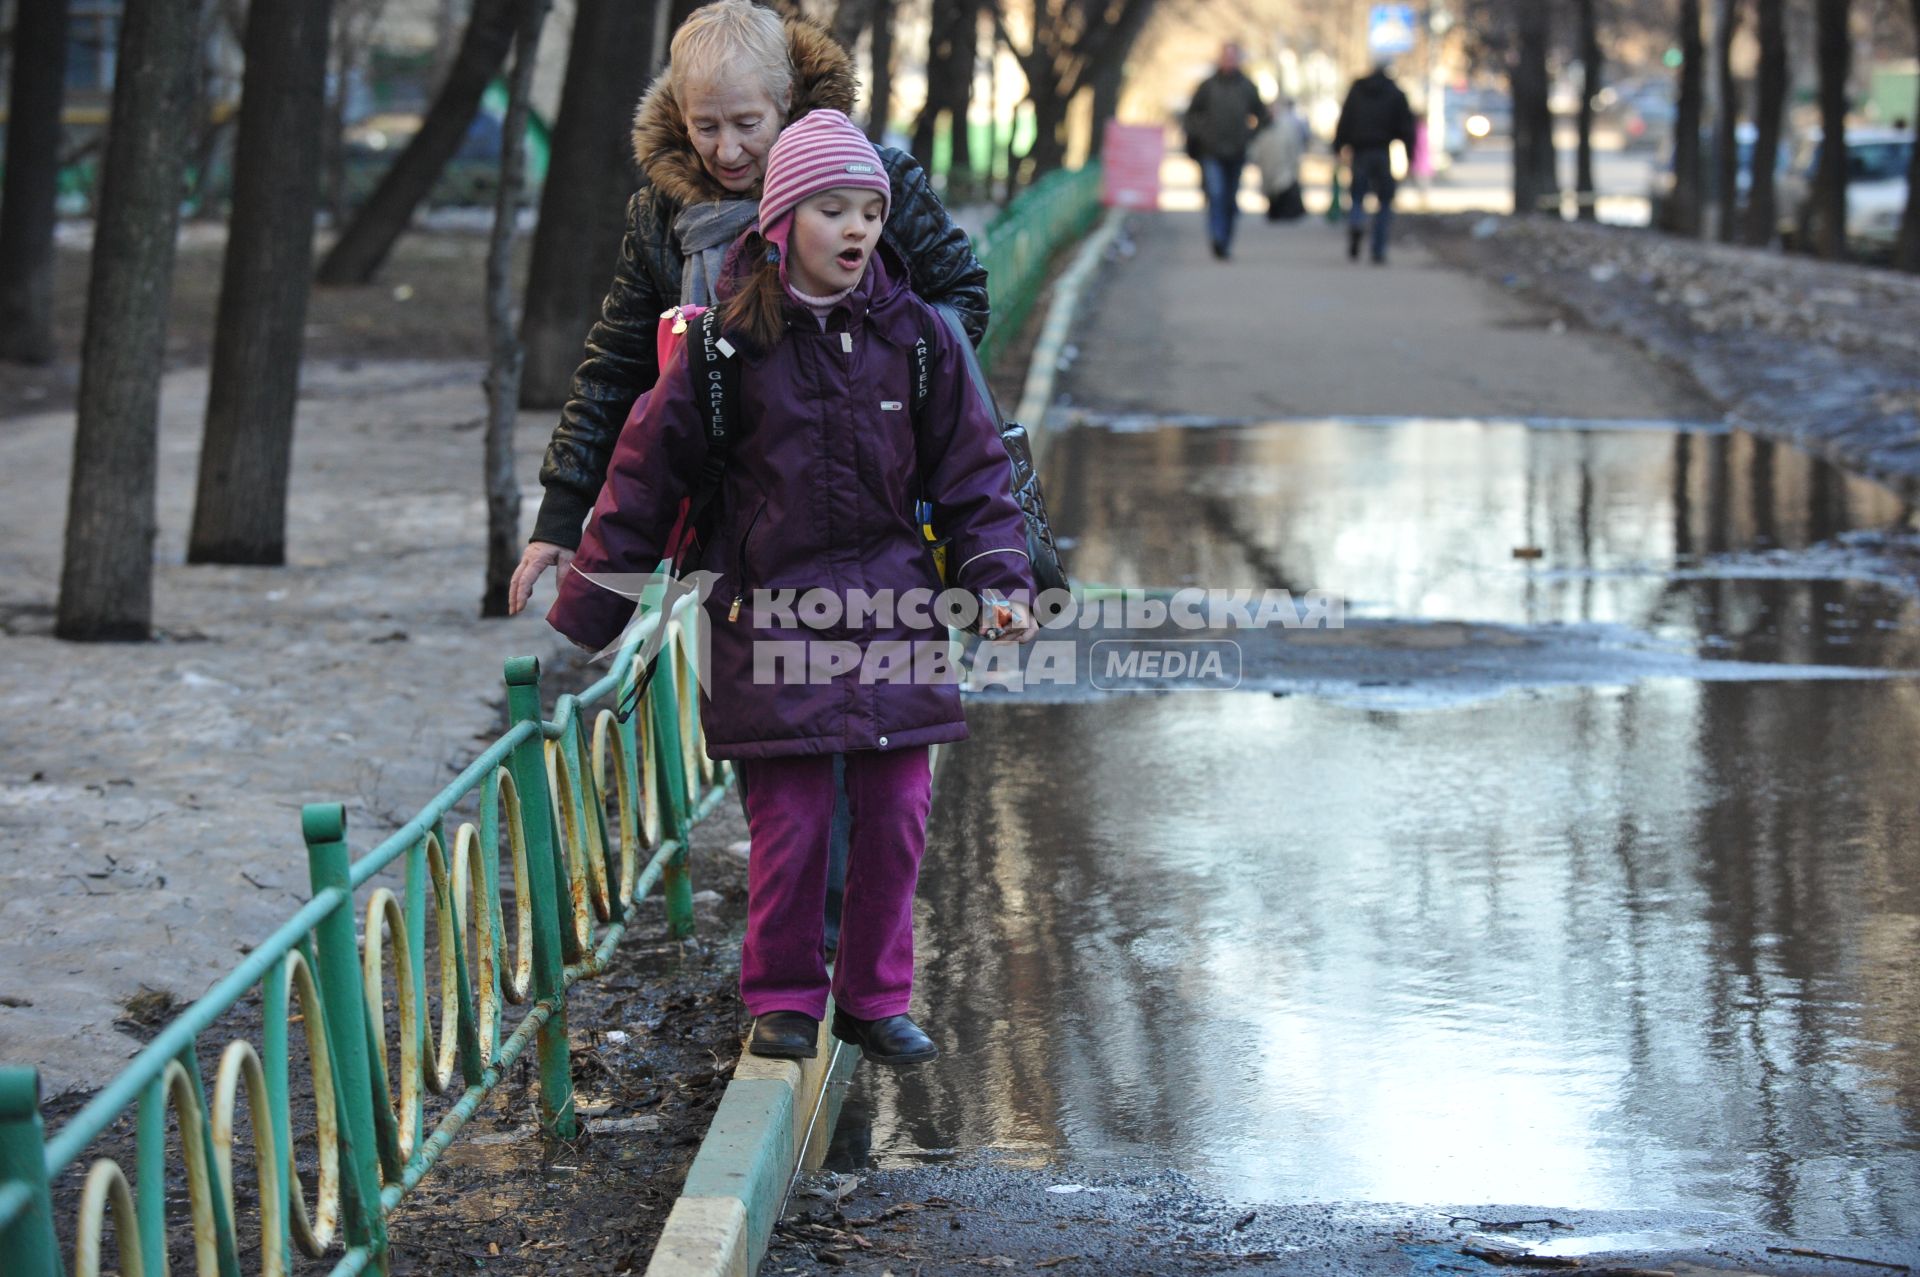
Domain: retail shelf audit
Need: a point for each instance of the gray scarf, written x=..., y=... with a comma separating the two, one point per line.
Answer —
x=705, y=232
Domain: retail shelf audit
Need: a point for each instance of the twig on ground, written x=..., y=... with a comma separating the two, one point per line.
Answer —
x=1805, y=1253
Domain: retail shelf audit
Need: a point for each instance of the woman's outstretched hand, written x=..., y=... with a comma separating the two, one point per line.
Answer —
x=534, y=560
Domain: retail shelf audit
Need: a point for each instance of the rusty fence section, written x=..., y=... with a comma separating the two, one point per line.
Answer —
x=442, y=930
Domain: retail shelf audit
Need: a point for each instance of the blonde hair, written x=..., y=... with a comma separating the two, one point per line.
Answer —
x=731, y=38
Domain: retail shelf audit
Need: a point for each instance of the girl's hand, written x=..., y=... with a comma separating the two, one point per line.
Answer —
x=1003, y=620
x=534, y=561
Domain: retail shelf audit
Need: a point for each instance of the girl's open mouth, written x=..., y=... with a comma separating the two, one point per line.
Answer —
x=852, y=257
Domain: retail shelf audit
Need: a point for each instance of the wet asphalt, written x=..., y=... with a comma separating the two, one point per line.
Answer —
x=1573, y=877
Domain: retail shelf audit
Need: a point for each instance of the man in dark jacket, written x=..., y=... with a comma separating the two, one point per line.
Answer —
x=1376, y=115
x=1226, y=112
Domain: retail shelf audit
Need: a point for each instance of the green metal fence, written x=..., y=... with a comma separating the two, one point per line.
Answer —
x=576, y=875
x=1017, y=245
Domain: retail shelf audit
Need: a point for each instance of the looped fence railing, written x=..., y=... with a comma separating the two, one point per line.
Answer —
x=493, y=940
x=1017, y=245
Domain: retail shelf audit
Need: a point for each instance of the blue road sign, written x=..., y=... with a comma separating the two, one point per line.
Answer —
x=1391, y=29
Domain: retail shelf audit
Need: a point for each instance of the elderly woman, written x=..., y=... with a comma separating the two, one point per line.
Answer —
x=739, y=74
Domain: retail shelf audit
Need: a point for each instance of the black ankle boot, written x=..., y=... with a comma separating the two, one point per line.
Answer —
x=893, y=1039
x=785, y=1035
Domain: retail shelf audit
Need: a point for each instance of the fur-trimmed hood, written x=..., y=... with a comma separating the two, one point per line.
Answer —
x=822, y=77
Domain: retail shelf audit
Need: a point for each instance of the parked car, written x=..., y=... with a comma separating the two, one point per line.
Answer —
x=1475, y=116
x=1644, y=117
x=1877, y=160
x=470, y=176
x=1745, y=138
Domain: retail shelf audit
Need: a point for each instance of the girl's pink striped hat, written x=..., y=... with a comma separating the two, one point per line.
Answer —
x=820, y=151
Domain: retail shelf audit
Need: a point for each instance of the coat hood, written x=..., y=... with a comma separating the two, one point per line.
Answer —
x=822, y=77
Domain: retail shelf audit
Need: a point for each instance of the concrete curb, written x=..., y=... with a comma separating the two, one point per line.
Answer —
x=776, y=1116
x=1043, y=368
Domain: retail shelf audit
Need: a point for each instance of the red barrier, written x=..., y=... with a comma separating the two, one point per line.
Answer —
x=1130, y=158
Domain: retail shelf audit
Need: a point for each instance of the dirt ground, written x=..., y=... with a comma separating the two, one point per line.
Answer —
x=150, y=793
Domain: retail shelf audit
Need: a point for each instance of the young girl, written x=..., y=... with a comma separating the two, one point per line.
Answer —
x=827, y=459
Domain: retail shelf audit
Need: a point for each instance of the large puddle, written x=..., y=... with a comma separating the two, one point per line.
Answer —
x=1734, y=546
x=1642, y=944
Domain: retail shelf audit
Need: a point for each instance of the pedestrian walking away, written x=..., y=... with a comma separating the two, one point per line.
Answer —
x=819, y=493
x=1221, y=120
x=1276, y=152
x=1374, y=117
x=738, y=74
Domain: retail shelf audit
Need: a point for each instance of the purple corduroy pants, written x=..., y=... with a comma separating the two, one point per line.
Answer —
x=789, y=815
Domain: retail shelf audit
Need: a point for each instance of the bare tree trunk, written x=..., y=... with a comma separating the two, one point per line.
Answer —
x=223, y=20
x=1907, y=252
x=1762, y=213
x=353, y=29
x=1829, y=221
x=583, y=205
x=333, y=156
x=880, y=81
x=680, y=11
x=505, y=353
x=1049, y=149
x=448, y=18
x=966, y=53
x=1013, y=156
x=850, y=18
x=940, y=63
x=1683, y=212
x=1536, y=180
x=1109, y=73
x=367, y=240
x=106, y=575
x=1726, y=146
x=1591, y=67
x=27, y=211
x=240, y=505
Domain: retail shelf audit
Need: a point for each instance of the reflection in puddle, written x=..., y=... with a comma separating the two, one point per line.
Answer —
x=1614, y=949
x=1697, y=537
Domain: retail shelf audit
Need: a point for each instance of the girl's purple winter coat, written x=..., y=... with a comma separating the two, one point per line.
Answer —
x=825, y=465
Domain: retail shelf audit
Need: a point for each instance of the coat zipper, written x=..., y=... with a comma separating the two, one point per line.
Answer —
x=740, y=564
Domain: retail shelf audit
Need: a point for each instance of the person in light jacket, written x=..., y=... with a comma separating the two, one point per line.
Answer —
x=1276, y=152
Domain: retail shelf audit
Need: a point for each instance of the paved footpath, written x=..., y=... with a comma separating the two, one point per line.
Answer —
x=1290, y=327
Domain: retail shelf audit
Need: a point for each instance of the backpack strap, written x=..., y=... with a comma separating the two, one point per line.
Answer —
x=715, y=371
x=715, y=374
x=922, y=373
